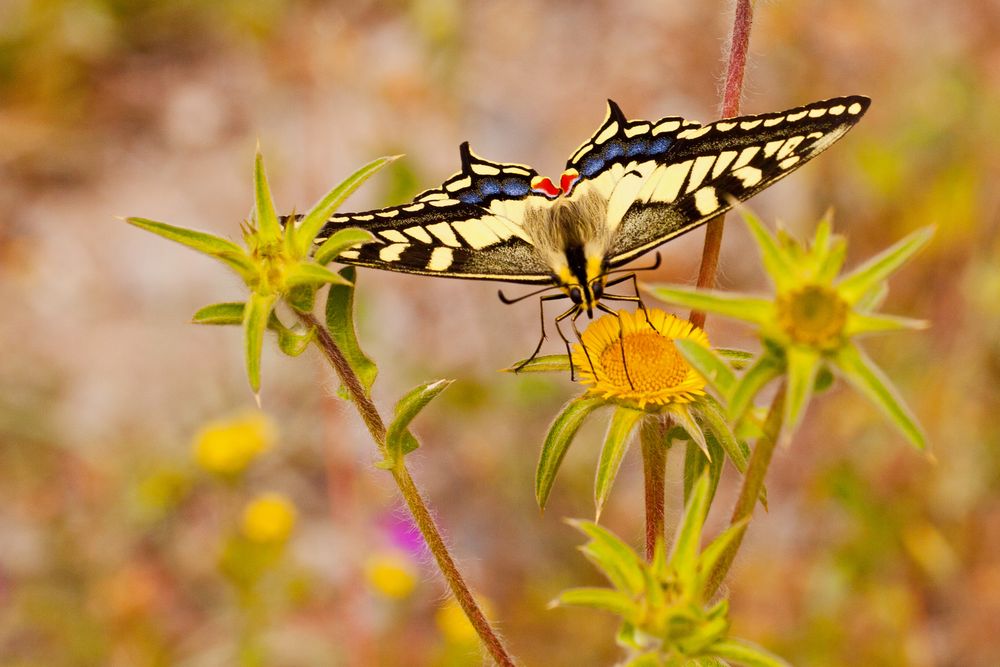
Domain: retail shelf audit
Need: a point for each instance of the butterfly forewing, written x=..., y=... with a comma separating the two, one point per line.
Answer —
x=470, y=227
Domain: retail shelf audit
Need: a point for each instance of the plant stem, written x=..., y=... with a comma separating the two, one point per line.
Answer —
x=654, y=467
x=418, y=508
x=739, y=42
x=753, y=484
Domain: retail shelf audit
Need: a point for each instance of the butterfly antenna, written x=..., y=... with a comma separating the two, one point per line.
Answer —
x=652, y=267
x=508, y=300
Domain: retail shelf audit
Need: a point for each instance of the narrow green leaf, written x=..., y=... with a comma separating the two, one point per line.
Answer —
x=716, y=425
x=407, y=409
x=220, y=314
x=802, y=364
x=616, y=443
x=291, y=341
x=255, y=319
x=214, y=246
x=738, y=306
x=544, y=364
x=704, y=360
x=682, y=415
x=860, y=324
x=319, y=214
x=766, y=368
x=557, y=442
x=697, y=464
x=776, y=261
x=343, y=240
x=340, y=322
x=711, y=555
x=267, y=221
x=308, y=273
x=867, y=378
x=747, y=654
x=873, y=298
x=687, y=541
x=832, y=262
x=738, y=359
x=614, y=558
x=866, y=277
x=604, y=599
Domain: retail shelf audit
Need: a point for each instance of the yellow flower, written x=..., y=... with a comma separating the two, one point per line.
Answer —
x=634, y=361
x=268, y=519
x=228, y=447
x=391, y=574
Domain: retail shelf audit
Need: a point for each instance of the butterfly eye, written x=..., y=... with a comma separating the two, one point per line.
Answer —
x=597, y=289
x=576, y=295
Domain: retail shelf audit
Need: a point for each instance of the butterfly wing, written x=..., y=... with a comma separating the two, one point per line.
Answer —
x=471, y=227
x=664, y=178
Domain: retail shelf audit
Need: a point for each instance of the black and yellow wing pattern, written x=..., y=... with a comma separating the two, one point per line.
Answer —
x=651, y=181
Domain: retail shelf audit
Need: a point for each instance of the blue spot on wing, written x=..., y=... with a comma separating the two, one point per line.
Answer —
x=660, y=145
x=514, y=187
x=489, y=186
x=637, y=147
x=613, y=149
x=591, y=165
x=469, y=197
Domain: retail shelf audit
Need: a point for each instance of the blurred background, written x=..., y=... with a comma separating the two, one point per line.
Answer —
x=148, y=516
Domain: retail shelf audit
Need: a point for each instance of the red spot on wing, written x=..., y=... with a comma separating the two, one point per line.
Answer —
x=568, y=180
x=545, y=186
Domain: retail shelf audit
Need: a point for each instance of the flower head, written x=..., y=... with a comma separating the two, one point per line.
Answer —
x=632, y=359
x=268, y=519
x=227, y=447
x=391, y=574
x=813, y=320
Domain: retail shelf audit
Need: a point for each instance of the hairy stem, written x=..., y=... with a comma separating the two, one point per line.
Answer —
x=733, y=90
x=418, y=508
x=652, y=434
x=753, y=483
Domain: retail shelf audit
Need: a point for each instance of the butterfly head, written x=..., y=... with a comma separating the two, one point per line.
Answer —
x=582, y=278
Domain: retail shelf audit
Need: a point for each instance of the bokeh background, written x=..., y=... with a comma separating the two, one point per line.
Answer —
x=125, y=541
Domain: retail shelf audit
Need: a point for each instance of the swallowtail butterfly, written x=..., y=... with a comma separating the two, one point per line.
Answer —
x=632, y=186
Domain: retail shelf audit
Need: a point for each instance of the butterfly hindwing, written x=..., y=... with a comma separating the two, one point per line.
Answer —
x=709, y=166
x=470, y=227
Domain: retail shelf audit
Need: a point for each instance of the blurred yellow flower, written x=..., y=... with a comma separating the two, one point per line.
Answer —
x=268, y=519
x=391, y=574
x=453, y=624
x=626, y=358
x=227, y=447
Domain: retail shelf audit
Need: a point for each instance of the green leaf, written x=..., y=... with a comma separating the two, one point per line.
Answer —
x=267, y=221
x=802, y=364
x=738, y=306
x=713, y=553
x=291, y=341
x=824, y=379
x=867, y=378
x=747, y=654
x=766, y=368
x=872, y=299
x=255, y=319
x=860, y=324
x=214, y=246
x=738, y=359
x=776, y=261
x=407, y=409
x=832, y=261
x=220, y=314
x=682, y=415
x=716, y=371
x=866, y=277
x=687, y=542
x=616, y=443
x=343, y=240
x=557, y=442
x=314, y=221
x=604, y=599
x=308, y=273
x=696, y=463
x=613, y=557
x=544, y=364
x=717, y=426
x=340, y=322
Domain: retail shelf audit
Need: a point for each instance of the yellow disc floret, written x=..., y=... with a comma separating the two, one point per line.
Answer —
x=813, y=315
x=627, y=358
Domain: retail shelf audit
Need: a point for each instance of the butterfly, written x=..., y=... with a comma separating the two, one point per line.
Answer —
x=629, y=188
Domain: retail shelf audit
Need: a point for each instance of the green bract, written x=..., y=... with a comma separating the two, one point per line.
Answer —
x=810, y=323
x=276, y=263
x=665, y=608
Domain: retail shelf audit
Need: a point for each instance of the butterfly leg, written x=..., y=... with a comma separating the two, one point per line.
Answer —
x=541, y=318
x=575, y=311
x=632, y=299
x=621, y=342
